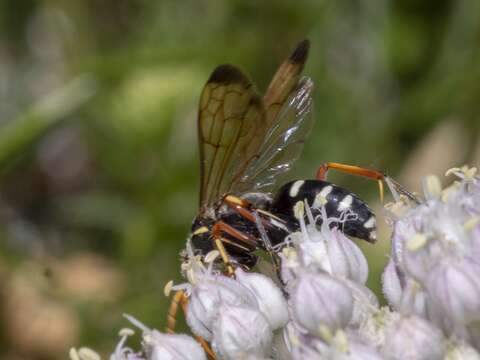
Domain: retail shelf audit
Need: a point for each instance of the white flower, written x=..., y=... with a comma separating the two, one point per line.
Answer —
x=327, y=249
x=207, y=290
x=393, y=284
x=346, y=258
x=323, y=308
x=159, y=346
x=435, y=268
x=340, y=346
x=365, y=303
x=121, y=351
x=454, y=291
x=404, y=294
x=172, y=347
x=271, y=302
x=208, y=295
x=320, y=301
x=241, y=332
x=411, y=337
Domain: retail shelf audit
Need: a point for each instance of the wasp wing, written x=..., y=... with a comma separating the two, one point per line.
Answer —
x=231, y=127
x=237, y=127
x=288, y=116
x=285, y=81
x=283, y=142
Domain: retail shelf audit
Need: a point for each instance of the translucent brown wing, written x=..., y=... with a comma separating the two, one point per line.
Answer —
x=231, y=124
x=283, y=142
x=235, y=125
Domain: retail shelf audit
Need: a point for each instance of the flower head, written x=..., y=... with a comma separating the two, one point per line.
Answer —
x=434, y=271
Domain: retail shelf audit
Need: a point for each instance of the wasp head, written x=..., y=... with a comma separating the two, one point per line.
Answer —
x=200, y=235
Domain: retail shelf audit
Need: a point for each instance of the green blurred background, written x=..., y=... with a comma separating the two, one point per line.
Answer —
x=98, y=151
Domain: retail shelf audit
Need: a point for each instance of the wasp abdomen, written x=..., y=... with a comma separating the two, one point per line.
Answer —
x=355, y=217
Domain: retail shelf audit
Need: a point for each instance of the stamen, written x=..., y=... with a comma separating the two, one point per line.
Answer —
x=88, y=354
x=136, y=323
x=168, y=288
x=211, y=256
x=299, y=210
x=471, y=223
x=416, y=242
x=126, y=332
x=432, y=187
x=325, y=333
x=73, y=354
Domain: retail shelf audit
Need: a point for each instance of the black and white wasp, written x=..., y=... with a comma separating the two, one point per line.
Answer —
x=246, y=143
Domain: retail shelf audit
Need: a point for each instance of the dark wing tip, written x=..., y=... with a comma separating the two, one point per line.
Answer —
x=300, y=54
x=228, y=74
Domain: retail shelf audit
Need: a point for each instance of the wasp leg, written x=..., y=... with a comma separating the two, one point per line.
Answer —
x=241, y=207
x=177, y=300
x=180, y=299
x=368, y=173
x=217, y=230
x=354, y=170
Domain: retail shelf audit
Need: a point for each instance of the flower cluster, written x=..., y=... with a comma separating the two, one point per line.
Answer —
x=317, y=306
x=434, y=270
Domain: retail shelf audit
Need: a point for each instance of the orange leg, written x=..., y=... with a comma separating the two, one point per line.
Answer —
x=180, y=299
x=241, y=207
x=368, y=173
x=177, y=300
x=244, y=242
x=354, y=170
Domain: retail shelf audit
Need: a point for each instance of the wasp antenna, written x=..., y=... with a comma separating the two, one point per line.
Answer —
x=228, y=74
x=300, y=53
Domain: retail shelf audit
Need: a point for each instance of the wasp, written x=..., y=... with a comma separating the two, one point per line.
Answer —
x=247, y=142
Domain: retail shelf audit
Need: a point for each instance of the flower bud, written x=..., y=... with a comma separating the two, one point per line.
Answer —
x=412, y=337
x=346, y=259
x=271, y=302
x=392, y=284
x=403, y=293
x=241, y=332
x=323, y=248
x=158, y=346
x=365, y=303
x=206, y=298
x=171, y=347
x=318, y=301
x=340, y=346
x=454, y=294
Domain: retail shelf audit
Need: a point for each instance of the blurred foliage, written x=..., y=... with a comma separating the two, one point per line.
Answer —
x=98, y=154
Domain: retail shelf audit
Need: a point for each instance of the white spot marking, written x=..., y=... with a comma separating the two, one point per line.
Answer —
x=296, y=188
x=321, y=198
x=345, y=203
x=370, y=223
x=326, y=190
